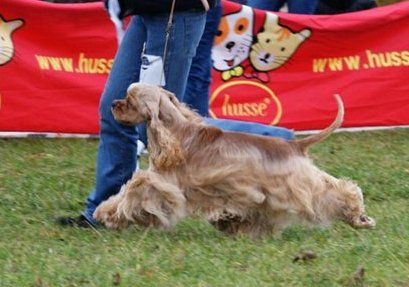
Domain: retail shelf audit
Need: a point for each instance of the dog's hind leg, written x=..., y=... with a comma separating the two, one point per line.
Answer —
x=254, y=224
x=229, y=224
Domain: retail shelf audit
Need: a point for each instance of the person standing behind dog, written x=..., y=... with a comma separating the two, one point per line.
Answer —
x=139, y=58
x=294, y=6
x=331, y=7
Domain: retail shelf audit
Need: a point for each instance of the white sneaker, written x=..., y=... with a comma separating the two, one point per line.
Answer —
x=140, y=148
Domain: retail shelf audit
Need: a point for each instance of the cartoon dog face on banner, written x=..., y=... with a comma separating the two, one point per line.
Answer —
x=232, y=43
x=6, y=44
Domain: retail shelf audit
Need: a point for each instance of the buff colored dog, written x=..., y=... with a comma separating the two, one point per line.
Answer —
x=238, y=182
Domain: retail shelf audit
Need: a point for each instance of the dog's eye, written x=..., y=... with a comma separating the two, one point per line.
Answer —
x=282, y=49
x=268, y=41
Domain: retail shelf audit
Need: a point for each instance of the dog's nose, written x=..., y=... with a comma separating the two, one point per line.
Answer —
x=114, y=103
x=230, y=45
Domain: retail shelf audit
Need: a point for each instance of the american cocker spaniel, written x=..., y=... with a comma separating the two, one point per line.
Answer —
x=238, y=182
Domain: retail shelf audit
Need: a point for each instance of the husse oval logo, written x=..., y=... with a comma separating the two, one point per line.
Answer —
x=246, y=101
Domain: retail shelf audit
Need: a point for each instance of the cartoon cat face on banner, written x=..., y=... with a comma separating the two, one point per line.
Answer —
x=6, y=43
x=237, y=51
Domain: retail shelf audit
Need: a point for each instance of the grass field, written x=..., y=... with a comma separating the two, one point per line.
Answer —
x=41, y=178
x=387, y=2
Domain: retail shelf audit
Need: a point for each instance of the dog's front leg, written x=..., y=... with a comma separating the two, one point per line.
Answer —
x=107, y=211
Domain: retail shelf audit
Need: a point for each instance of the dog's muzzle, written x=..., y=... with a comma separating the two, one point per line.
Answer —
x=114, y=104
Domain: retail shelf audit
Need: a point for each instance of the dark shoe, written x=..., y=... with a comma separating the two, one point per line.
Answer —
x=79, y=221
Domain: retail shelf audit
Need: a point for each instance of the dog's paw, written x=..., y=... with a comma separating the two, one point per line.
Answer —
x=107, y=214
x=363, y=221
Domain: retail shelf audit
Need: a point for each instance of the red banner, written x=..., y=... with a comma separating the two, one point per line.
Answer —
x=279, y=69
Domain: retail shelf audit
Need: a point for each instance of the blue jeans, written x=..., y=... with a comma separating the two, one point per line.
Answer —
x=294, y=6
x=197, y=89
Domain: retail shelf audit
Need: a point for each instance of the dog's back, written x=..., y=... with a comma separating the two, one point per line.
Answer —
x=208, y=140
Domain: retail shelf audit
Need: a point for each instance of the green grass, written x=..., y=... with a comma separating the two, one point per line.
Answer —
x=41, y=178
x=387, y=2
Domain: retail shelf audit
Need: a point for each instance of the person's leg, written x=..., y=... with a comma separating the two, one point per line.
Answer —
x=186, y=32
x=187, y=29
x=242, y=2
x=251, y=128
x=268, y=5
x=197, y=89
x=261, y=4
x=116, y=160
x=302, y=6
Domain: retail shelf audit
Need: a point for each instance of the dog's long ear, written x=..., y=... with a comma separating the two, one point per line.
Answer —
x=150, y=199
x=183, y=109
x=165, y=150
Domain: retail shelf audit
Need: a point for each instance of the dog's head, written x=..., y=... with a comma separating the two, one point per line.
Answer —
x=152, y=104
x=141, y=104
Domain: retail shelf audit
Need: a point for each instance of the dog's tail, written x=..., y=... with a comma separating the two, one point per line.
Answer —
x=304, y=143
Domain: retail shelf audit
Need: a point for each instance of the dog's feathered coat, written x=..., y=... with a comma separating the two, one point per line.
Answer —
x=236, y=181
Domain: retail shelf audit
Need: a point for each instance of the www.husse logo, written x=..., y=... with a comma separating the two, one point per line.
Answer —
x=246, y=101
